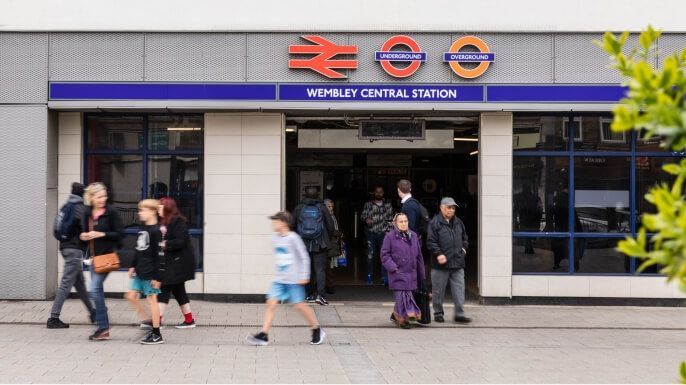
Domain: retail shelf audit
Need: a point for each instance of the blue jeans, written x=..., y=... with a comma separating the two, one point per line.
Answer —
x=374, y=243
x=98, y=296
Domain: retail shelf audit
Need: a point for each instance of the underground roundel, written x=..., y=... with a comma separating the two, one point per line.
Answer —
x=455, y=58
x=387, y=56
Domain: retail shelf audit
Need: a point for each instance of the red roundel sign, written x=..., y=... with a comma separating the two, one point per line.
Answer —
x=387, y=56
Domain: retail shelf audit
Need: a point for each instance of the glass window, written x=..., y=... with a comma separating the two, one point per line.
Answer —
x=122, y=174
x=538, y=133
x=540, y=255
x=651, y=144
x=599, y=255
x=114, y=132
x=175, y=132
x=596, y=135
x=648, y=174
x=178, y=176
x=540, y=193
x=601, y=194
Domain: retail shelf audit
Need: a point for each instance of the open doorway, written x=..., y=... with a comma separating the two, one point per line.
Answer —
x=327, y=151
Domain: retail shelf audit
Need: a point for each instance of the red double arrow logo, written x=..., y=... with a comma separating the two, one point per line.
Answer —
x=323, y=62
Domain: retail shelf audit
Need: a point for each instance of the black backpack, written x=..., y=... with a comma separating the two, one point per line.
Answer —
x=311, y=221
x=64, y=221
x=423, y=220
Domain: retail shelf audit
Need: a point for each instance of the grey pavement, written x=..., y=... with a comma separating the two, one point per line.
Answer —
x=504, y=344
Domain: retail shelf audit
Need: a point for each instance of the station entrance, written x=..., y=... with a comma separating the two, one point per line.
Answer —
x=336, y=155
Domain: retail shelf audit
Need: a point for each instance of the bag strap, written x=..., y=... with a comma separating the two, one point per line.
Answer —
x=91, y=246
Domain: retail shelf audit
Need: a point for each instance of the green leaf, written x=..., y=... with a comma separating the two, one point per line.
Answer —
x=683, y=372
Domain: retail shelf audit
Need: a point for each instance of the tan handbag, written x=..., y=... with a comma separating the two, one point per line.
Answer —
x=103, y=263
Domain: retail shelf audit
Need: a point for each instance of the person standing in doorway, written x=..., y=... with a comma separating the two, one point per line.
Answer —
x=447, y=242
x=410, y=205
x=377, y=215
x=292, y=273
x=313, y=223
x=179, y=261
x=102, y=229
x=72, y=250
x=335, y=249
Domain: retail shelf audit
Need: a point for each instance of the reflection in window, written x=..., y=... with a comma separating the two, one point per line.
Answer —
x=538, y=133
x=649, y=173
x=175, y=132
x=541, y=193
x=540, y=255
x=114, y=132
x=599, y=255
x=601, y=195
x=179, y=177
x=598, y=136
x=122, y=174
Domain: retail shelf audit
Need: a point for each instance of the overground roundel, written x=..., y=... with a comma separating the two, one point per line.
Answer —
x=454, y=57
x=386, y=56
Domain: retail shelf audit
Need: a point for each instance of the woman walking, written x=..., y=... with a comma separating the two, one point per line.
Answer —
x=179, y=260
x=401, y=255
x=104, y=231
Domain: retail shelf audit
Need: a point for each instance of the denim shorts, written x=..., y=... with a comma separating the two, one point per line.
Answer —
x=144, y=286
x=287, y=292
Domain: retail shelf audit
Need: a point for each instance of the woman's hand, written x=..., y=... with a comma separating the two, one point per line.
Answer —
x=132, y=272
x=91, y=235
x=84, y=237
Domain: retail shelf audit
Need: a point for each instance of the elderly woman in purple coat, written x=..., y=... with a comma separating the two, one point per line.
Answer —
x=401, y=255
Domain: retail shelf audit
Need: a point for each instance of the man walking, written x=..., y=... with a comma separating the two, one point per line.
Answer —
x=312, y=221
x=447, y=243
x=410, y=206
x=377, y=215
x=72, y=250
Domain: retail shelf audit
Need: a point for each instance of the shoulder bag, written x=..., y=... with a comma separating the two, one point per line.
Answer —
x=103, y=263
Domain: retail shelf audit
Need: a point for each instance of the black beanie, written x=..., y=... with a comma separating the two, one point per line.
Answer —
x=77, y=189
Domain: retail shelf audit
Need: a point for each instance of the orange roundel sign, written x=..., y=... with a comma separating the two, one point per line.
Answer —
x=454, y=57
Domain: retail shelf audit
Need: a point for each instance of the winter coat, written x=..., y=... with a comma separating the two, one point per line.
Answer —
x=449, y=239
x=179, y=258
x=109, y=223
x=74, y=242
x=403, y=260
x=324, y=241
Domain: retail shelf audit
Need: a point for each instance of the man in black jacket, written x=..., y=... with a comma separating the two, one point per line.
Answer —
x=313, y=222
x=72, y=251
x=447, y=242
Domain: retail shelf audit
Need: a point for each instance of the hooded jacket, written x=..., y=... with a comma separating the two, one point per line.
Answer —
x=447, y=238
x=74, y=242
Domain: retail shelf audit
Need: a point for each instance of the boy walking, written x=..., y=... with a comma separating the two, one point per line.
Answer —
x=146, y=271
x=292, y=274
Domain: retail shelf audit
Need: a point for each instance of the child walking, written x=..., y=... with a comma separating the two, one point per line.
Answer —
x=292, y=273
x=146, y=270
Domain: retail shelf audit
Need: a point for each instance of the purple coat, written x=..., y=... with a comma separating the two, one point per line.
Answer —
x=402, y=259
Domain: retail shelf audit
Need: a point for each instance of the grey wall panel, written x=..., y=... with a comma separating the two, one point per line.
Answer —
x=268, y=57
x=431, y=71
x=23, y=160
x=97, y=56
x=23, y=67
x=578, y=60
x=195, y=57
x=51, y=206
x=519, y=58
x=670, y=44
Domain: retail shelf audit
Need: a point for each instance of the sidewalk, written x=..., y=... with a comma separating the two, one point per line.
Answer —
x=515, y=344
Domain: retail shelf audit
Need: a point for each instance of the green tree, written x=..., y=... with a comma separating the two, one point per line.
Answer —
x=655, y=106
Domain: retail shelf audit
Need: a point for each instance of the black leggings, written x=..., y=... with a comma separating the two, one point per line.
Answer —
x=179, y=291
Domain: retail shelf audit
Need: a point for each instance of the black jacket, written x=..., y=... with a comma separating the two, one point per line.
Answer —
x=449, y=239
x=178, y=255
x=109, y=223
x=74, y=242
x=324, y=241
x=413, y=212
x=148, y=257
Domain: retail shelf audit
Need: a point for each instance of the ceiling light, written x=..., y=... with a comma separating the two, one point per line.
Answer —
x=184, y=129
x=474, y=152
x=466, y=139
x=292, y=128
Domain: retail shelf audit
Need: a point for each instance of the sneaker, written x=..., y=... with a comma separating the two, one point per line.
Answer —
x=318, y=336
x=100, y=335
x=259, y=339
x=56, y=323
x=310, y=299
x=369, y=279
x=321, y=300
x=152, y=339
x=186, y=325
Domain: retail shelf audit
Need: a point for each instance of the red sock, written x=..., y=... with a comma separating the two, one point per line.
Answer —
x=188, y=317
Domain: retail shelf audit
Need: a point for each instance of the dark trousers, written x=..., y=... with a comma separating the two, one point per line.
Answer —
x=374, y=243
x=318, y=262
x=72, y=276
x=178, y=290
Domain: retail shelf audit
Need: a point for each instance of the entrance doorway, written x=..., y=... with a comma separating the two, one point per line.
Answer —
x=347, y=171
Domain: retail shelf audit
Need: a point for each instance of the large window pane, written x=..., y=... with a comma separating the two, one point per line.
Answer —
x=541, y=193
x=540, y=255
x=539, y=133
x=114, y=132
x=601, y=194
x=650, y=144
x=123, y=175
x=648, y=174
x=175, y=132
x=599, y=255
x=180, y=177
x=596, y=135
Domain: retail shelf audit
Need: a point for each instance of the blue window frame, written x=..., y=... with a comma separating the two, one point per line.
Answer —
x=148, y=156
x=577, y=190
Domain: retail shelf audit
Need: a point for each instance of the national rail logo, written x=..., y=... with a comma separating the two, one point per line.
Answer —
x=387, y=56
x=454, y=57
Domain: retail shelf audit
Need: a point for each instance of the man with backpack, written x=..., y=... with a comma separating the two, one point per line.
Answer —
x=67, y=228
x=313, y=222
x=417, y=215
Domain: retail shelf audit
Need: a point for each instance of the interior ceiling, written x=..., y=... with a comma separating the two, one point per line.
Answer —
x=462, y=124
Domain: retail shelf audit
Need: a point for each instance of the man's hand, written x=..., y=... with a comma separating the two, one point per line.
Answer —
x=156, y=284
x=132, y=272
x=303, y=281
x=369, y=221
x=442, y=259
